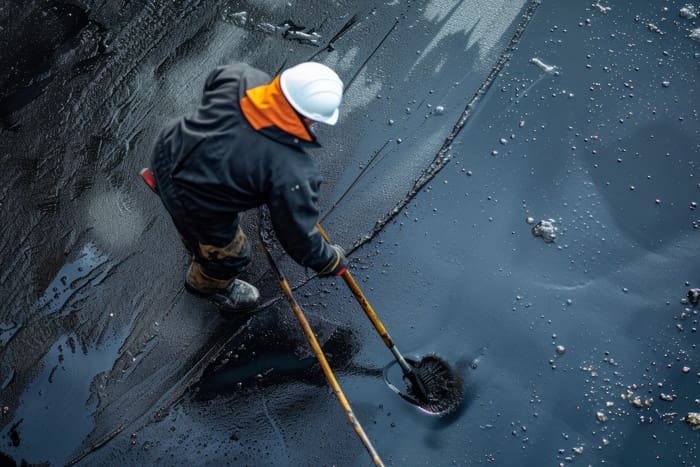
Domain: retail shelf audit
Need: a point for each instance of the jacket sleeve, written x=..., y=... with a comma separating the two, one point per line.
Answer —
x=294, y=210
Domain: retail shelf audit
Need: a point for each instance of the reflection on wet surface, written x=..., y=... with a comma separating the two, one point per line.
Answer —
x=72, y=278
x=56, y=409
x=266, y=353
x=55, y=412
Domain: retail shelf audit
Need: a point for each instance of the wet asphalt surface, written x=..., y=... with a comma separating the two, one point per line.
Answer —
x=580, y=114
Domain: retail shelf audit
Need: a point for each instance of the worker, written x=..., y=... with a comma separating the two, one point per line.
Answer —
x=242, y=148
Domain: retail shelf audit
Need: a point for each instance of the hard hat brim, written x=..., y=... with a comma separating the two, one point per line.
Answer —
x=328, y=120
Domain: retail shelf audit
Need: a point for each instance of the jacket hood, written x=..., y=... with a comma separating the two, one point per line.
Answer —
x=267, y=110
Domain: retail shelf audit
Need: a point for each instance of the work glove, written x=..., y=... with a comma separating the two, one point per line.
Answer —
x=336, y=266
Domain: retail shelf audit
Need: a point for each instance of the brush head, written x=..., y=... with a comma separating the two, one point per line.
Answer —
x=444, y=386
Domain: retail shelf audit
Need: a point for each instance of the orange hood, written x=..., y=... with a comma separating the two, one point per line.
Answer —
x=265, y=106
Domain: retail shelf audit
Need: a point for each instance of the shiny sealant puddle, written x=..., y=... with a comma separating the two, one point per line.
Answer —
x=56, y=409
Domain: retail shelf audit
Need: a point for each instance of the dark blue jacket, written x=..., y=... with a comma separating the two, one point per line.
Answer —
x=244, y=147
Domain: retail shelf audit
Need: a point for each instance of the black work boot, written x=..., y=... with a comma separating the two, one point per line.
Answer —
x=232, y=296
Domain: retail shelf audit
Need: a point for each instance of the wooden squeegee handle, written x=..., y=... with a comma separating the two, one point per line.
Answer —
x=369, y=311
x=320, y=356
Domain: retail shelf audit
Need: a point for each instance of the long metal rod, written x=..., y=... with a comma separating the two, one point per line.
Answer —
x=321, y=357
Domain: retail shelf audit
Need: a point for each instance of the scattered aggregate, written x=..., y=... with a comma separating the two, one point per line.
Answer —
x=288, y=30
x=546, y=229
x=543, y=66
x=693, y=419
x=239, y=18
x=654, y=28
x=635, y=400
x=688, y=11
x=694, y=296
x=309, y=37
x=603, y=9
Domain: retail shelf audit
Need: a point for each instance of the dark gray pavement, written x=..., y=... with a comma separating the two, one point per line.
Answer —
x=105, y=359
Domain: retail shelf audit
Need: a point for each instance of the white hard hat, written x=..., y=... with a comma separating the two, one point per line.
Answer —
x=314, y=90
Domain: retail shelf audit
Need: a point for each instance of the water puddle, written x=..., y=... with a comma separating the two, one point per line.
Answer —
x=54, y=414
x=56, y=410
x=265, y=369
x=267, y=353
x=73, y=278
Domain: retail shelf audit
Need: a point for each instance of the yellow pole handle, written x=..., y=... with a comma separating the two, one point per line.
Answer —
x=369, y=311
x=362, y=300
x=329, y=374
x=320, y=356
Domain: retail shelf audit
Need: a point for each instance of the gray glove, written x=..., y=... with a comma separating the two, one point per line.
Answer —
x=337, y=266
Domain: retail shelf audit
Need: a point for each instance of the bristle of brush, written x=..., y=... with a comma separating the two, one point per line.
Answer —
x=444, y=385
